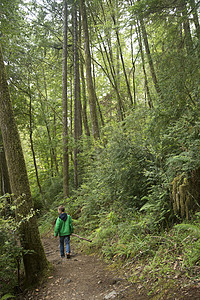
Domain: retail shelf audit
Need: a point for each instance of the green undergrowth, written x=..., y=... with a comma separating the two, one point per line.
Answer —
x=155, y=261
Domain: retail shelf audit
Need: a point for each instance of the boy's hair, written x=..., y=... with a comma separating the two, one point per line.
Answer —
x=61, y=208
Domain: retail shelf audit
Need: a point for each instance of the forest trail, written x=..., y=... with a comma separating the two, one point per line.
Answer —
x=82, y=277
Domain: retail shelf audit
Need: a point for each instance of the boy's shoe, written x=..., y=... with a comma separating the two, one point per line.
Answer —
x=68, y=255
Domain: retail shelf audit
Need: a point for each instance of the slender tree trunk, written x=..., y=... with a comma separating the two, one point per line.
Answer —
x=65, y=107
x=112, y=80
x=90, y=86
x=97, y=101
x=80, y=109
x=133, y=63
x=71, y=101
x=34, y=258
x=84, y=115
x=112, y=77
x=121, y=55
x=31, y=138
x=150, y=102
x=118, y=56
x=77, y=114
x=195, y=17
x=52, y=147
x=186, y=27
x=83, y=87
x=151, y=64
x=45, y=109
x=55, y=149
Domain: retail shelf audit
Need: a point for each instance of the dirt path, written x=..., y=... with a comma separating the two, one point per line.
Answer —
x=81, y=277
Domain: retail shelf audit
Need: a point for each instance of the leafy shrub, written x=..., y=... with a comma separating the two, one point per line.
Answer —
x=10, y=250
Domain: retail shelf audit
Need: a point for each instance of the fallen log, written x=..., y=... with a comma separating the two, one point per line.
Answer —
x=80, y=237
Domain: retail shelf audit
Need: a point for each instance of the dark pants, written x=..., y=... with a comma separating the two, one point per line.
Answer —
x=64, y=239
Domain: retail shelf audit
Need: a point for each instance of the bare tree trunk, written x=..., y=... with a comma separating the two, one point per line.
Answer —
x=5, y=181
x=151, y=64
x=55, y=148
x=84, y=115
x=121, y=55
x=150, y=102
x=35, y=262
x=65, y=107
x=133, y=63
x=52, y=147
x=77, y=113
x=112, y=78
x=195, y=17
x=83, y=87
x=186, y=27
x=90, y=86
x=31, y=138
x=97, y=101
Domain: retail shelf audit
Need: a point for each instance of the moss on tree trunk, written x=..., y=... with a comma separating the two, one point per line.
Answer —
x=186, y=194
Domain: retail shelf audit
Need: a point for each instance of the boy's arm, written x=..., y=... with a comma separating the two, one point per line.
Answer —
x=57, y=227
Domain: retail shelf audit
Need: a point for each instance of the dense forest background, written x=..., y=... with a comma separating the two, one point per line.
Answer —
x=106, y=96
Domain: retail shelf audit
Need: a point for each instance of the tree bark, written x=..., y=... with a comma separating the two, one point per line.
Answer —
x=83, y=87
x=97, y=101
x=5, y=181
x=150, y=102
x=186, y=27
x=35, y=262
x=84, y=115
x=31, y=138
x=90, y=86
x=133, y=63
x=65, y=107
x=121, y=55
x=150, y=61
x=77, y=113
x=195, y=17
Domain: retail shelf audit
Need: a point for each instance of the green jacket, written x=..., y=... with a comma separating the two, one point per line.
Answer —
x=64, y=225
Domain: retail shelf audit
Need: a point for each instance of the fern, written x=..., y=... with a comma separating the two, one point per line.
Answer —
x=194, y=228
x=7, y=296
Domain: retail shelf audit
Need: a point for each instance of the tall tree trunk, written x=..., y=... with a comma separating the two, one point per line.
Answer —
x=121, y=55
x=195, y=17
x=35, y=262
x=112, y=78
x=83, y=87
x=84, y=115
x=52, y=147
x=55, y=149
x=77, y=112
x=90, y=86
x=150, y=102
x=65, y=107
x=133, y=63
x=31, y=138
x=186, y=27
x=5, y=181
x=97, y=101
x=150, y=61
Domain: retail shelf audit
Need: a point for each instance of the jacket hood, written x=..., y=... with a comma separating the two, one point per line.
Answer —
x=63, y=217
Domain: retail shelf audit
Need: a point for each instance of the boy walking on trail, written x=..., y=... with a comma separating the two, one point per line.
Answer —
x=63, y=228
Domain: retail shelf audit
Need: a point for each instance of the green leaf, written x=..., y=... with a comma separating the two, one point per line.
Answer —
x=7, y=296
